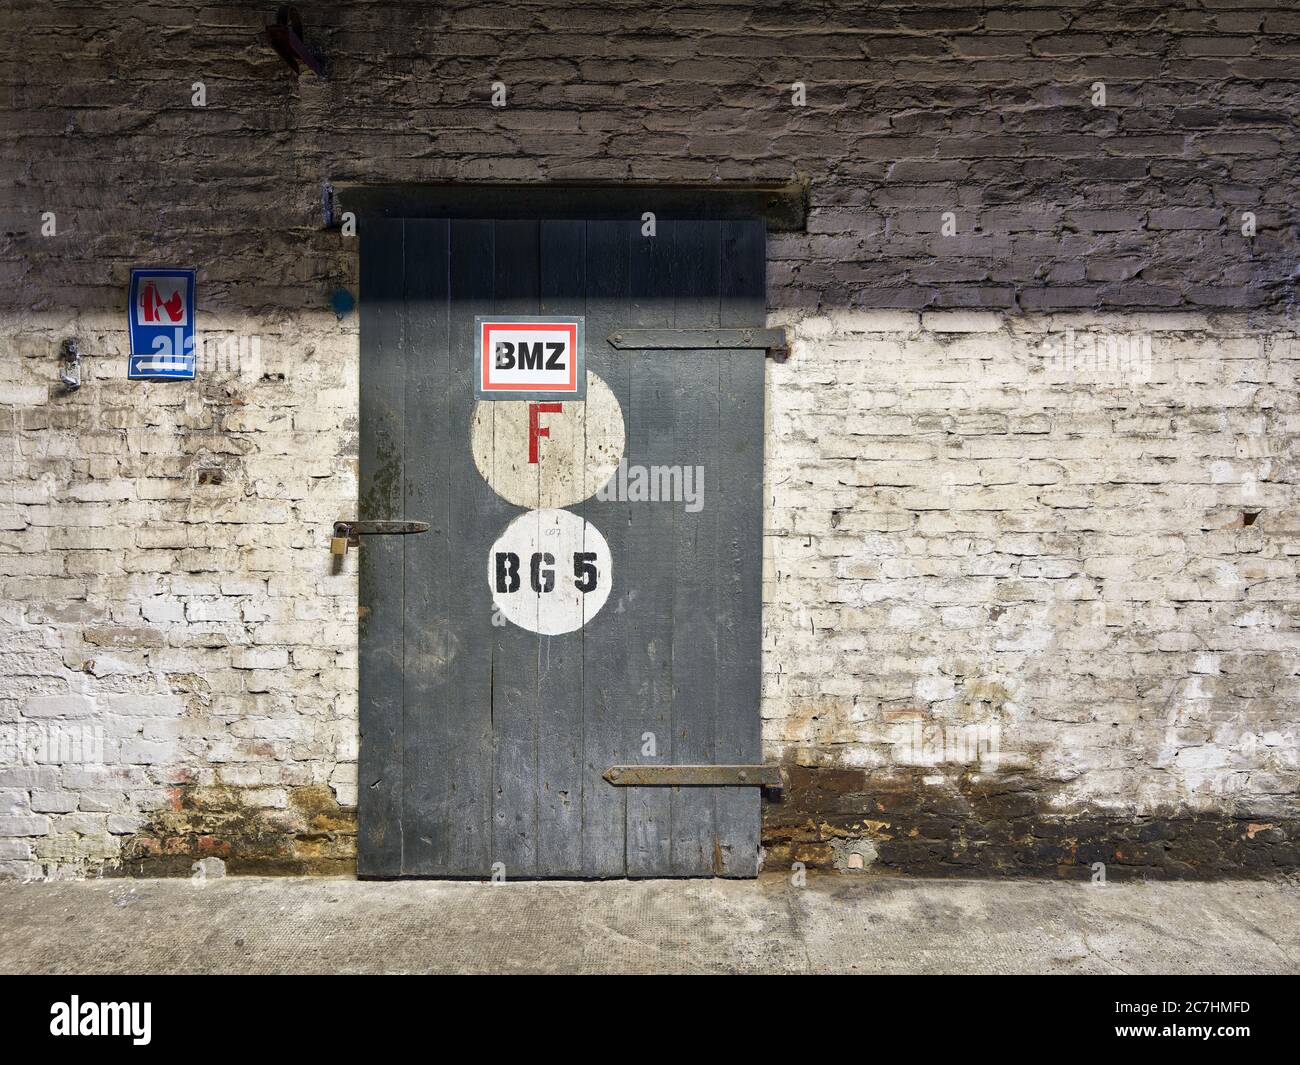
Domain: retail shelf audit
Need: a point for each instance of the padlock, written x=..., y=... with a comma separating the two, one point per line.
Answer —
x=339, y=541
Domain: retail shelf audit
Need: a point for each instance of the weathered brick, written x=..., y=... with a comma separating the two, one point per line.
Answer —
x=23, y=825
x=53, y=802
x=968, y=521
x=1185, y=218
x=58, y=706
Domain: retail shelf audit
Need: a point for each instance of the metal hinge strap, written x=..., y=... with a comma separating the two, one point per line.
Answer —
x=771, y=340
x=673, y=776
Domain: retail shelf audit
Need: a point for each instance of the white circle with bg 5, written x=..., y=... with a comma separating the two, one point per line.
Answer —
x=550, y=572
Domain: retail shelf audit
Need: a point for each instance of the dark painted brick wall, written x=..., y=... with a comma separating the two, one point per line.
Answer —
x=913, y=109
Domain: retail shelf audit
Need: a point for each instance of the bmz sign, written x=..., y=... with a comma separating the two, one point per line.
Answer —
x=525, y=357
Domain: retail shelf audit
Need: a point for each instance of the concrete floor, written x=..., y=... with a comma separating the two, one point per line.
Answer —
x=833, y=924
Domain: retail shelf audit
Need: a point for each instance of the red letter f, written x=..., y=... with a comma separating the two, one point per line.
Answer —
x=535, y=428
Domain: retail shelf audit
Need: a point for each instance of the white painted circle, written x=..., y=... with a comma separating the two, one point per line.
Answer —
x=577, y=448
x=550, y=571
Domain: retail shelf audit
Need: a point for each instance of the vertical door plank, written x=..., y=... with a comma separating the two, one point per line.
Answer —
x=381, y=602
x=738, y=500
x=515, y=711
x=608, y=717
x=696, y=850
x=651, y=422
x=477, y=516
x=559, y=669
x=431, y=633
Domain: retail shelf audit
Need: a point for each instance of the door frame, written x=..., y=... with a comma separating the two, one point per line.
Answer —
x=542, y=203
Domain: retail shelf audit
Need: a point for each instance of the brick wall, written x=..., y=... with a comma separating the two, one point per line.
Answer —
x=913, y=109
x=180, y=654
x=1015, y=618
x=1031, y=599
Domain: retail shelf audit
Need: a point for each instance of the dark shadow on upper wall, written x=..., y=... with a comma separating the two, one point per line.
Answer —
x=911, y=111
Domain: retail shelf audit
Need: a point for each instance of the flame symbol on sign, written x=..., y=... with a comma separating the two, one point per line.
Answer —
x=151, y=303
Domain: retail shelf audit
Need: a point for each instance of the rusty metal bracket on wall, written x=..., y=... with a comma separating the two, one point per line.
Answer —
x=285, y=35
x=70, y=370
x=767, y=777
x=773, y=341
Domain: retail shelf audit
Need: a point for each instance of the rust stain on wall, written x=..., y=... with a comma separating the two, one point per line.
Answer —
x=314, y=835
x=1004, y=824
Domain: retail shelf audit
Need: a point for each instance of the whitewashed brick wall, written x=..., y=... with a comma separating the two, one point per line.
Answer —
x=978, y=558
x=167, y=590
x=983, y=555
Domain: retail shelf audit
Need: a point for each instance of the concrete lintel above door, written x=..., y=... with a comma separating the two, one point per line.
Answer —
x=782, y=207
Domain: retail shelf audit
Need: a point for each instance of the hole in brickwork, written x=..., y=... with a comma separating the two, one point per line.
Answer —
x=1248, y=517
x=212, y=477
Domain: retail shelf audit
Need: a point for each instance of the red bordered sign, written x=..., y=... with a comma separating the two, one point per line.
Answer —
x=526, y=357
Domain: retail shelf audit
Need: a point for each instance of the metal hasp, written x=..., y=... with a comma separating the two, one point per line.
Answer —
x=348, y=533
x=772, y=341
x=712, y=776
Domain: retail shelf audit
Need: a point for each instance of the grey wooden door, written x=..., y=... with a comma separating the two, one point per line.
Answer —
x=483, y=742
